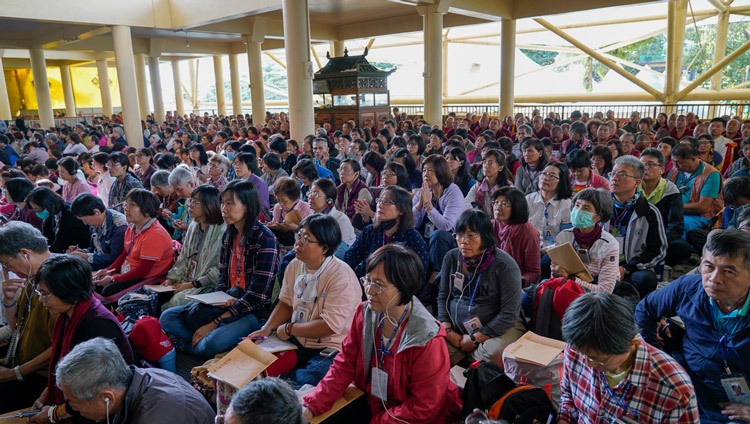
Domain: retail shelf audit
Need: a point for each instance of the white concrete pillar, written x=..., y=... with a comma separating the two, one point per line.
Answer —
x=257, y=97
x=140, y=80
x=298, y=67
x=153, y=70
x=433, y=65
x=234, y=78
x=67, y=86
x=221, y=100
x=103, y=72
x=5, y=113
x=124, y=60
x=41, y=87
x=337, y=48
x=507, y=66
x=179, y=104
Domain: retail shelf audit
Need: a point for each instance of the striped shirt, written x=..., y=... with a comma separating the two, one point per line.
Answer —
x=604, y=260
x=656, y=390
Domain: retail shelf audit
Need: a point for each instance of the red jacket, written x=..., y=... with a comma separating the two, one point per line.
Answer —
x=420, y=391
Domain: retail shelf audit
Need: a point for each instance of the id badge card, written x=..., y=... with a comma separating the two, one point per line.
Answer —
x=429, y=228
x=379, y=384
x=125, y=267
x=549, y=237
x=302, y=314
x=193, y=266
x=458, y=281
x=736, y=388
x=472, y=325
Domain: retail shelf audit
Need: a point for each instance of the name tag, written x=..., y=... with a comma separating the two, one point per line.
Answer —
x=379, y=386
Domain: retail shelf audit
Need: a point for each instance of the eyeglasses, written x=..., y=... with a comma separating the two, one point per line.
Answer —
x=127, y=205
x=620, y=175
x=503, y=204
x=192, y=202
x=304, y=239
x=386, y=202
x=468, y=237
x=549, y=176
x=43, y=296
x=345, y=171
x=366, y=283
x=314, y=195
x=5, y=263
x=651, y=165
x=491, y=163
x=389, y=174
x=428, y=171
x=589, y=360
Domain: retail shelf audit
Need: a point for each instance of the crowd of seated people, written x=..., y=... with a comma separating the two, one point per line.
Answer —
x=393, y=250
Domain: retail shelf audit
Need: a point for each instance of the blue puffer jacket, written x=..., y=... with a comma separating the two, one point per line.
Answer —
x=686, y=298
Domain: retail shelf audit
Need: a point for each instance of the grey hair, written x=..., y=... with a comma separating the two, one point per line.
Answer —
x=600, y=322
x=51, y=137
x=220, y=160
x=269, y=401
x=601, y=200
x=733, y=243
x=180, y=176
x=633, y=162
x=628, y=135
x=93, y=366
x=321, y=132
x=119, y=130
x=160, y=178
x=528, y=129
x=17, y=235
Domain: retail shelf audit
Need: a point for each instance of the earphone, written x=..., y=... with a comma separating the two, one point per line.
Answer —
x=106, y=400
x=106, y=404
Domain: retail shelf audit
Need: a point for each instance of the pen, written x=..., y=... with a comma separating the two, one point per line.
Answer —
x=255, y=339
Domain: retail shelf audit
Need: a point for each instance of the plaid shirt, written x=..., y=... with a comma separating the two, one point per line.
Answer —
x=118, y=192
x=261, y=266
x=657, y=388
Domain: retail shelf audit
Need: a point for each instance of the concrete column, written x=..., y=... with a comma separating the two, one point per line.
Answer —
x=179, y=104
x=67, y=86
x=192, y=69
x=299, y=67
x=507, y=66
x=337, y=48
x=153, y=70
x=125, y=62
x=221, y=100
x=41, y=86
x=676, y=15
x=257, y=97
x=5, y=113
x=101, y=66
x=720, y=47
x=433, y=65
x=140, y=80
x=234, y=78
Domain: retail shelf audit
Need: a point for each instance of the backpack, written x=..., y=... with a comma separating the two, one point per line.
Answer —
x=551, y=300
x=133, y=305
x=491, y=391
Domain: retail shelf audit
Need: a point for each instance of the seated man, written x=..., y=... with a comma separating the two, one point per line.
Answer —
x=700, y=185
x=267, y=401
x=637, y=226
x=98, y=383
x=107, y=228
x=714, y=307
x=610, y=374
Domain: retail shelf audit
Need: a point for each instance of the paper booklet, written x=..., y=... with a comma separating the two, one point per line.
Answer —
x=568, y=258
x=241, y=365
x=158, y=288
x=273, y=344
x=350, y=395
x=535, y=349
x=218, y=298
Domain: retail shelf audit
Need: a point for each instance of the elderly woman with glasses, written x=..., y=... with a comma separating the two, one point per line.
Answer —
x=319, y=295
x=352, y=189
x=549, y=207
x=514, y=233
x=479, y=302
x=394, y=350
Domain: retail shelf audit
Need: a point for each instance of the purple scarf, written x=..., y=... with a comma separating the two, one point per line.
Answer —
x=588, y=239
x=480, y=263
x=353, y=195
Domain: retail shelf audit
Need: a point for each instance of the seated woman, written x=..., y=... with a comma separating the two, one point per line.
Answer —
x=288, y=211
x=514, y=233
x=706, y=151
x=437, y=206
x=496, y=175
x=72, y=186
x=413, y=174
x=16, y=190
x=124, y=181
x=352, y=188
x=597, y=248
x=412, y=364
x=549, y=207
x=59, y=225
x=306, y=172
x=374, y=163
x=196, y=270
x=393, y=174
x=217, y=171
x=248, y=263
x=393, y=223
x=459, y=167
x=533, y=160
x=601, y=160
x=246, y=168
x=322, y=197
x=64, y=286
x=581, y=175
x=147, y=253
x=479, y=302
x=318, y=297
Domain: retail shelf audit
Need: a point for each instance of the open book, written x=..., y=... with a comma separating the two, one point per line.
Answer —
x=218, y=298
x=241, y=365
x=158, y=288
x=535, y=349
x=568, y=258
x=273, y=344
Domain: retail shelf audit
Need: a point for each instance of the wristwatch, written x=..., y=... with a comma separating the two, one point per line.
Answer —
x=473, y=339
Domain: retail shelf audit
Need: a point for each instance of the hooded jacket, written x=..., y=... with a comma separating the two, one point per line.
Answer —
x=645, y=244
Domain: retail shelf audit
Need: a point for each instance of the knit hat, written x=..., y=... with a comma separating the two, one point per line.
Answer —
x=149, y=340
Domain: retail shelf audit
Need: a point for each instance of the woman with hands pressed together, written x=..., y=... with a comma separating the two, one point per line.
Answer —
x=479, y=302
x=248, y=262
x=318, y=297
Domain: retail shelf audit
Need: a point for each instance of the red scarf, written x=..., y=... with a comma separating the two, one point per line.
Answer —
x=588, y=239
x=353, y=196
x=504, y=235
x=62, y=344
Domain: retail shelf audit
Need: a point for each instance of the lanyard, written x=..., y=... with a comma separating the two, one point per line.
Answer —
x=132, y=240
x=724, y=338
x=474, y=292
x=546, y=215
x=619, y=217
x=239, y=256
x=383, y=346
x=621, y=400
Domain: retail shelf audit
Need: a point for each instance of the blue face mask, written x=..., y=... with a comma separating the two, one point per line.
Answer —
x=43, y=214
x=581, y=219
x=230, y=155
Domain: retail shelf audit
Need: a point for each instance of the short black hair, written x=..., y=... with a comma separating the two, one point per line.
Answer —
x=400, y=171
x=401, y=266
x=18, y=188
x=579, y=158
x=86, y=204
x=684, y=151
x=402, y=200
x=328, y=188
x=208, y=195
x=326, y=229
x=731, y=243
x=46, y=199
x=655, y=153
x=307, y=168
x=272, y=161
x=441, y=168
x=408, y=161
x=165, y=161
x=564, y=188
x=479, y=222
x=249, y=159
x=374, y=159
x=519, y=208
x=67, y=277
x=119, y=157
x=70, y=165
x=600, y=322
x=267, y=401
x=735, y=188
x=278, y=144
x=147, y=202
